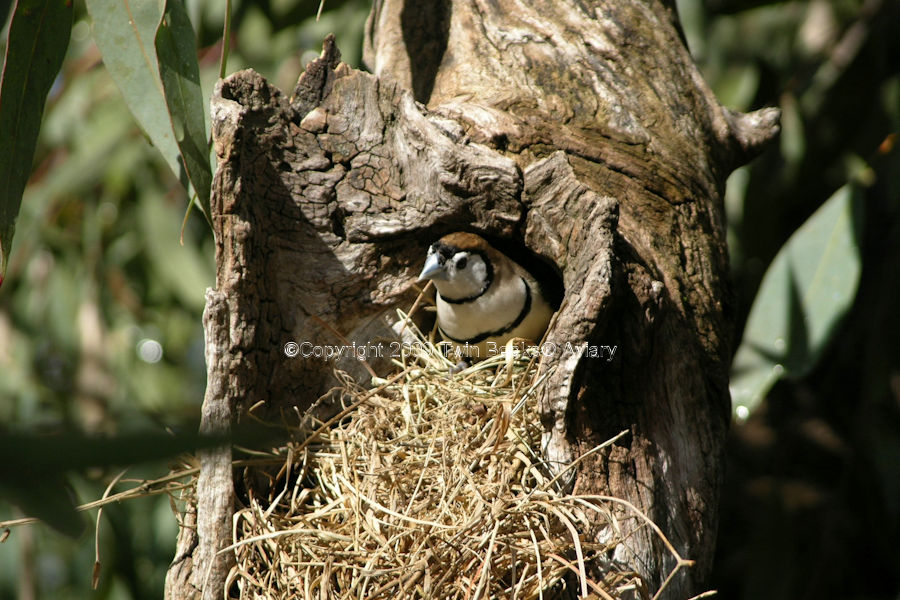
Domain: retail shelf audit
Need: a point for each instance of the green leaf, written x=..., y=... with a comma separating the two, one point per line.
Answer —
x=5, y=8
x=176, y=48
x=125, y=32
x=805, y=292
x=178, y=268
x=34, y=469
x=44, y=496
x=38, y=38
x=33, y=473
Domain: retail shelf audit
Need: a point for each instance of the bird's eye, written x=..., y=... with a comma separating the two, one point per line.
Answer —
x=461, y=262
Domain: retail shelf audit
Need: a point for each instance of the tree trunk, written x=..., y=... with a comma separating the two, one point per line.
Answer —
x=582, y=130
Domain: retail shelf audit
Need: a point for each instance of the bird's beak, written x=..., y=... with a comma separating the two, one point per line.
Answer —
x=433, y=269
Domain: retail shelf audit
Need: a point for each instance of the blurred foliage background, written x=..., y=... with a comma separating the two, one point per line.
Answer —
x=811, y=505
x=100, y=312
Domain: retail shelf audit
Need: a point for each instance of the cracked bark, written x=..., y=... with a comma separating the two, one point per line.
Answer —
x=580, y=130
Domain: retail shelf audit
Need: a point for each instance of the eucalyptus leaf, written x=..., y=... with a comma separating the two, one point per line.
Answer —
x=44, y=496
x=5, y=8
x=35, y=467
x=805, y=292
x=176, y=49
x=36, y=45
x=125, y=32
x=177, y=268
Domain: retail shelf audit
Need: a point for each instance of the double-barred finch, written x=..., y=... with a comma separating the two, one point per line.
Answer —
x=483, y=297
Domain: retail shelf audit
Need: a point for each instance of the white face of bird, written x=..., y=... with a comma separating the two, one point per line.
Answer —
x=463, y=274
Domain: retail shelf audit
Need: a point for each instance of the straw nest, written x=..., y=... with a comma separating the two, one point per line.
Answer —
x=430, y=485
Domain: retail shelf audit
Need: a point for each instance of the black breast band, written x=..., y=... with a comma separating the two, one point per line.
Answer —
x=483, y=336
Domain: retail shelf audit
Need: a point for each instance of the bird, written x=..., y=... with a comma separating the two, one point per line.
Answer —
x=483, y=298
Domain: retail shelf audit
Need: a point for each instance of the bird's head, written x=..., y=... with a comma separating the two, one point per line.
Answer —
x=460, y=266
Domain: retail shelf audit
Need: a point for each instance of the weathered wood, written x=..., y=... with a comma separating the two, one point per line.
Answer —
x=609, y=92
x=580, y=129
x=311, y=210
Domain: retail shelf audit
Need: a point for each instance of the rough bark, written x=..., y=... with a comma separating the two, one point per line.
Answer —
x=581, y=131
x=609, y=92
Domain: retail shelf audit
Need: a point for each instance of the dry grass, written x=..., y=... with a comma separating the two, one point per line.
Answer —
x=432, y=487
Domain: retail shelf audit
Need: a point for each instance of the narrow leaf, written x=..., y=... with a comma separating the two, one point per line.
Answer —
x=38, y=38
x=177, y=268
x=125, y=32
x=35, y=467
x=176, y=49
x=44, y=496
x=805, y=292
x=5, y=9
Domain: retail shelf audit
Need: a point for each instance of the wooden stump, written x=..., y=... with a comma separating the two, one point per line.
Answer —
x=579, y=134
